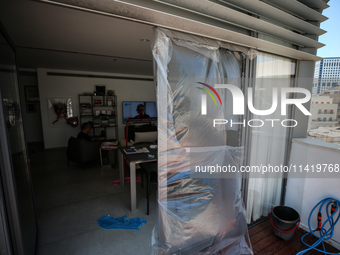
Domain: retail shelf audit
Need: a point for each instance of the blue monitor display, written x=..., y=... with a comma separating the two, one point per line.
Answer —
x=139, y=112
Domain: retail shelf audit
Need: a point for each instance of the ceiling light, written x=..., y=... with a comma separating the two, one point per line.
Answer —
x=144, y=40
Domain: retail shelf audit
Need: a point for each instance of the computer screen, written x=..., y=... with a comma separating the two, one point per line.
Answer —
x=139, y=112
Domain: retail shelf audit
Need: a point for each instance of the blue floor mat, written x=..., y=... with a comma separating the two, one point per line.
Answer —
x=110, y=222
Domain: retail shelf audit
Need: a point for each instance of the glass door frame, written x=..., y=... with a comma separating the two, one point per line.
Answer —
x=250, y=76
x=10, y=210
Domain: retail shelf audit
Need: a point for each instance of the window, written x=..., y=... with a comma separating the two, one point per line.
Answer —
x=331, y=112
x=330, y=119
x=324, y=119
x=319, y=111
x=271, y=139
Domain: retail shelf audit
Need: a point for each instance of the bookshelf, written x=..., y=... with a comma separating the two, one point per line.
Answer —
x=102, y=112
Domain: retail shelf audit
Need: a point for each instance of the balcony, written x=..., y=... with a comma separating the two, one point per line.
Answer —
x=264, y=242
x=325, y=121
x=326, y=113
x=303, y=194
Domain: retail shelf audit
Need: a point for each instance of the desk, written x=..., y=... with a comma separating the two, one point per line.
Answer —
x=133, y=159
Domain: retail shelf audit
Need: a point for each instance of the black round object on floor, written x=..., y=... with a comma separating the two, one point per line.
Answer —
x=284, y=219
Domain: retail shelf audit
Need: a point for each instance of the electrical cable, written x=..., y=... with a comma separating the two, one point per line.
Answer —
x=324, y=234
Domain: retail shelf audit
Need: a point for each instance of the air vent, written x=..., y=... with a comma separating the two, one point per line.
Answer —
x=98, y=76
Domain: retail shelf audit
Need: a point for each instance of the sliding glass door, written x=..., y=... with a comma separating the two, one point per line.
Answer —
x=16, y=200
x=268, y=143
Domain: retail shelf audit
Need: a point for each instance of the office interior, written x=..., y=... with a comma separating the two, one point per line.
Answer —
x=66, y=52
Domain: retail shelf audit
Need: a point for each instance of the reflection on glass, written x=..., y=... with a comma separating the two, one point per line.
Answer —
x=25, y=235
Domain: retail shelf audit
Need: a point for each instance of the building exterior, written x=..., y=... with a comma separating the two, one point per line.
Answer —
x=327, y=74
x=324, y=112
x=335, y=94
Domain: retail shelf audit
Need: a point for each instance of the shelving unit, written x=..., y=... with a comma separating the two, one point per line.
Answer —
x=101, y=111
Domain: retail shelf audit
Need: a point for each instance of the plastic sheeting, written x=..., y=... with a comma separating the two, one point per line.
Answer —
x=197, y=215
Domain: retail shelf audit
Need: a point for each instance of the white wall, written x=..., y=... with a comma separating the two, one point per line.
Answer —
x=303, y=194
x=32, y=121
x=72, y=86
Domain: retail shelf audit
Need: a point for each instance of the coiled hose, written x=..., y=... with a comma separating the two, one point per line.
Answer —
x=325, y=234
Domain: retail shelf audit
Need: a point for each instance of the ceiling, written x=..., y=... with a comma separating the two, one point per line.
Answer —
x=50, y=36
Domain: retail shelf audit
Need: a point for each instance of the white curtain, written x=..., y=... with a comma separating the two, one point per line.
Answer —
x=268, y=144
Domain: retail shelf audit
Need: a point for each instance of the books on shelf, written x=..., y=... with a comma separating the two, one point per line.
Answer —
x=105, y=122
x=97, y=122
x=85, y=105
x=112, y=122
x=86, y=112
x=96, y=113
x=97, y=101
x=110, y=101
x=100, y=110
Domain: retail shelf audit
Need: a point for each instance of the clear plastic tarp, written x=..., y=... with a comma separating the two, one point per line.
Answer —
x=198, y=214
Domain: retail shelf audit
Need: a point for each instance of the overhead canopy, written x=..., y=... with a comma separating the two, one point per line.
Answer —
x=220, y=22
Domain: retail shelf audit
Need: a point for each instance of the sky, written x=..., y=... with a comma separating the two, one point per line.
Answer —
x=332, y=26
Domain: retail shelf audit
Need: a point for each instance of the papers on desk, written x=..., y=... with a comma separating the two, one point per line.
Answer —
x=130, y=151
x=153, y=146
x=143, y=150
x=133, y=151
